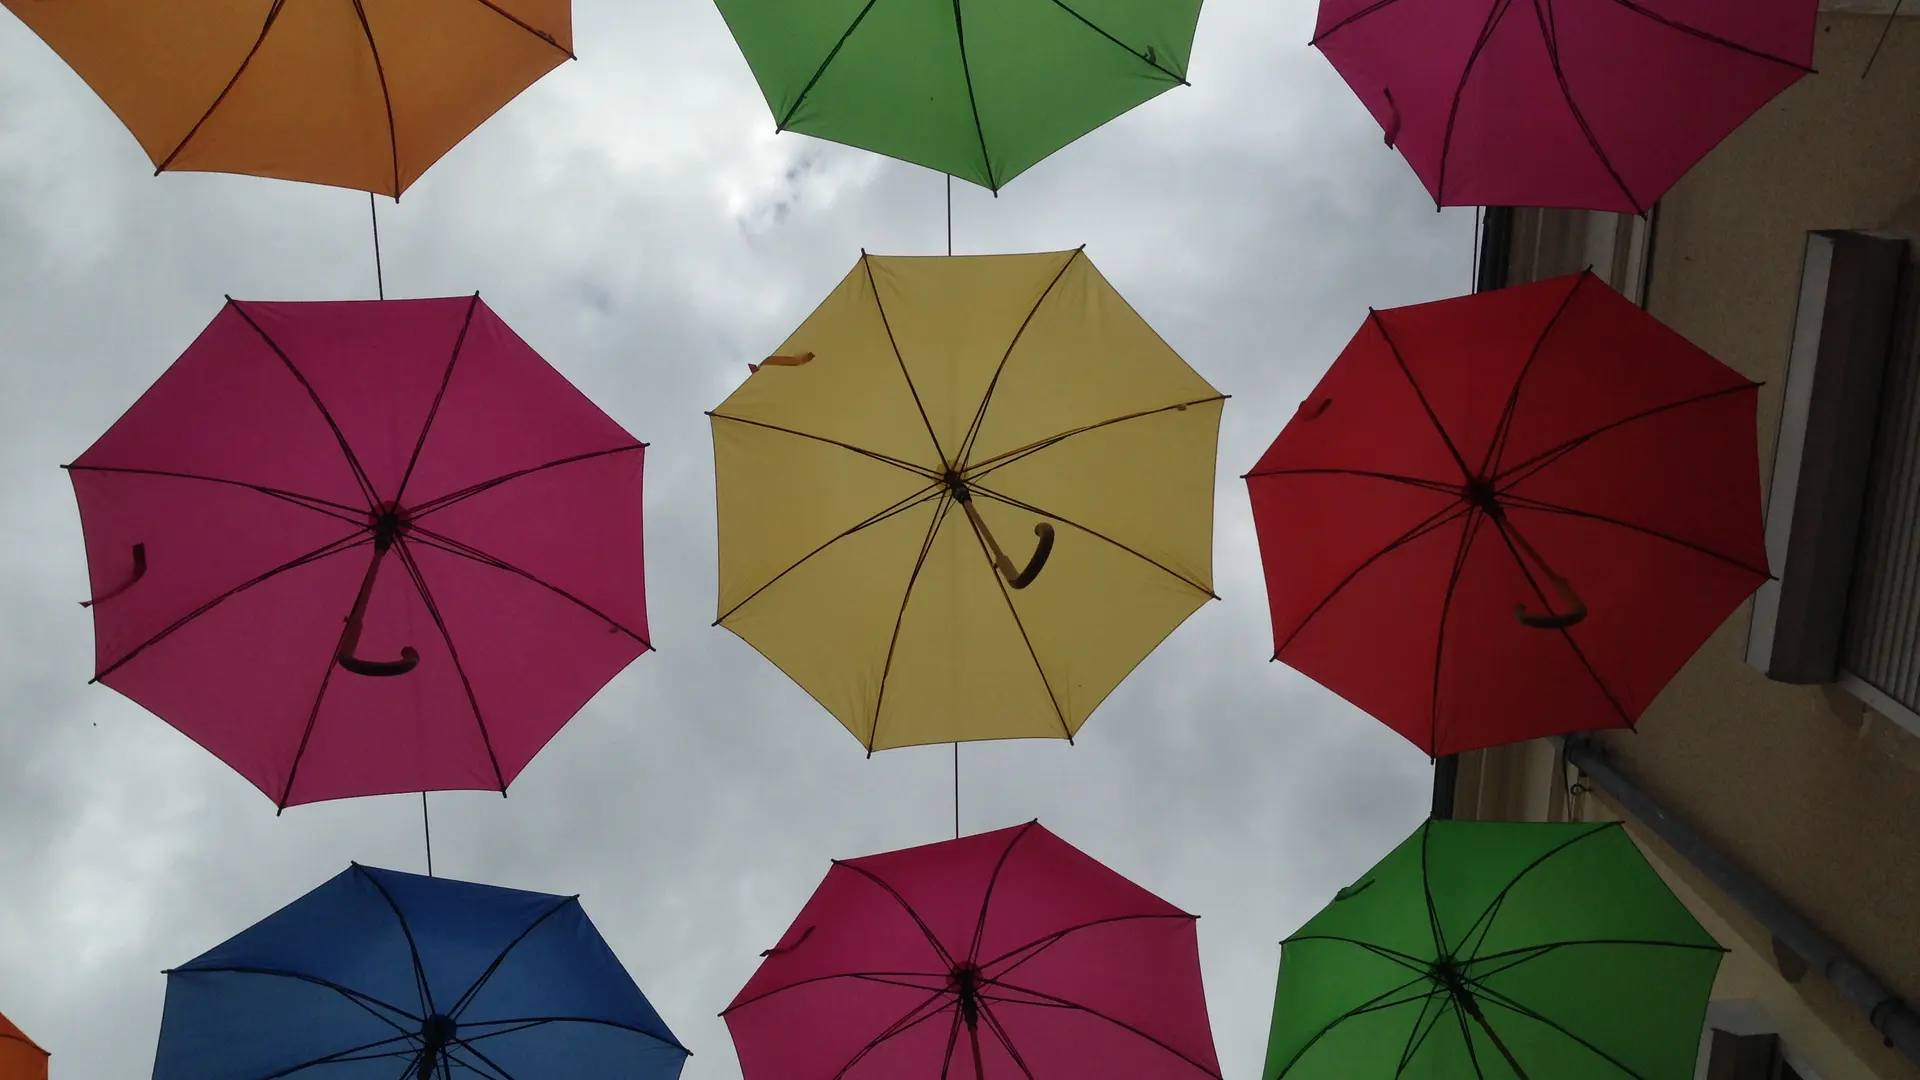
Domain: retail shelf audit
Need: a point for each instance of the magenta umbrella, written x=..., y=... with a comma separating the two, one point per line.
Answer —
x=365, y=547
x=1586, y=104
x=1007, y=955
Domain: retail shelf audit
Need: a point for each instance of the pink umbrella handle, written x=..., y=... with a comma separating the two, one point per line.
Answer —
x=139, y=571
x=1392, y=126
x=350, y=637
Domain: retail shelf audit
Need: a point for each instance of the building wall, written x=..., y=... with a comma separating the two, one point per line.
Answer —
x=1813, y=793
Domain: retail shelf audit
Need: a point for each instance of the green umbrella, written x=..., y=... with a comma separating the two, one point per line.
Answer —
x=1494, y=950
x=979, y=89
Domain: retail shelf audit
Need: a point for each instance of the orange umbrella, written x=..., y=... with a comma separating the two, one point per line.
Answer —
x=19, y=1058
x=362, y=94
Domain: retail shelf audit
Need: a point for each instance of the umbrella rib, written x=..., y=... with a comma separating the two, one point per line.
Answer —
x=1466, y=1036
x=338, y=511
x=1377, y=1003
x=1713, y=38
x=1494, y=14
x=894, y=1030
x=939, y=950
x=781, y=125
x=1427, y=407
x=1418, y=1038
x=1550, y=34
x=986, y=898
x=1523, y=502
x=446, y=636
x=1487, y=915
x=273, y=13
x=1535, y=952
x=1430, y=523
x=1042, y=944
x=953, y=1039
x=1121, y=1024
x=966, y=70
x=875, y=455
x=1522, y=470
x=988, y=465
x=386, y=96
x=980, y=414
x=882, y=977
x=347, y=1055
x=446, y=379
x=942, y=503
x=331, y=548
x=1497, y=998
x=438, y=542
x=480, y=983
x=1375, y=8
x=541, y=34
x=441, y=502
x=427, y=1008
x=353, y=462
x=1505, y=426
x=489, y=1062
x=355, y=996
x=1410, y=481
x=1411, y=963
x=313, y=718
x=1031, y=509
x=1001, y=584
x=1566, y=633
x=866, y=263
x=1005, y=1040
x=916, y=499
x=1154, y=64
x=1467, y=535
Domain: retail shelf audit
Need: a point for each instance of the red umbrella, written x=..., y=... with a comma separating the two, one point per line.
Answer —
x=368, y=547
x=1006, y=955
x=1596, y=104
x=1510, y=515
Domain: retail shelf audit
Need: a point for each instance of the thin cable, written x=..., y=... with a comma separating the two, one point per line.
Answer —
x=950, y=227
x=379, y=275
x=1878, y=45
x=956, y=791
x=426, y=826
x=1473, y=272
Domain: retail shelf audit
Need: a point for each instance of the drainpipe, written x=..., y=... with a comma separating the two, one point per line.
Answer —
x=1490, y=273
x=1896, y=1021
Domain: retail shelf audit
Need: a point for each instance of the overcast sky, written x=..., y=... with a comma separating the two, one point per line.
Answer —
x=637, y=220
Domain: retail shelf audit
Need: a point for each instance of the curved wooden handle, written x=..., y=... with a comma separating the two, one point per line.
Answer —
x=409, y=659
x=1576, y=610
x=1039, y=561
x=350, y=636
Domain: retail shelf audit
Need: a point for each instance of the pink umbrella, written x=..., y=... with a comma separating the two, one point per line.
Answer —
x=1006, y=955
x=361, y=548
x=1588, y=104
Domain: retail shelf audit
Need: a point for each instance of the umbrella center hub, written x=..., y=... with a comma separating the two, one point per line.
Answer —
x=1479, y=493
x=388, y=521
x=1447, y=974
x=438, y=1030
x=957, y=486
x=966, y=987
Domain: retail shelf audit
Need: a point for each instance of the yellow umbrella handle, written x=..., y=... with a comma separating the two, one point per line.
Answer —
x=1016, y=577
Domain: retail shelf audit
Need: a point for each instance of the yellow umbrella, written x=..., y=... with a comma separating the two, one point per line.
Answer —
x=362, y=94
x=966, y=498
x=19, y=1058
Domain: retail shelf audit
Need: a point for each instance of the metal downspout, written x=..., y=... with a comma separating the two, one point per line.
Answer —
x=1896, y=1021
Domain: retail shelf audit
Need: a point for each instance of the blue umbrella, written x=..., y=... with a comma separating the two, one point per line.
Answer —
x=378, y=975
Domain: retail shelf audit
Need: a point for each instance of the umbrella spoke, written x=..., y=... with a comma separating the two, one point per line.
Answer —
x=446, y=637
x=986, y=900
x=1431, y=523
x=1550, y=34
x=1098, y=1015
x=427, y=1008
x=1150, y=61
x=1523, y=502
x=515, y=20
x=953, y=1039
x=1377, y=6
x=1484, y=993
x=942, y=504
x=1005, y=1040
x=1505, y=425
x=486, y=976
x=1494, y=15
x=1440, y=486
x=1466, y=1037
x=352, y=515
x=822, y=69
x=885, y=459
x=986, y=398
x=918, y=498
x=946, y=958
x=1533, y=952
x=884, y=977
x=1512, y=475
x=1031, y=509
x=913, y=1019
x=441, y=542
x=1379, y=324
x=353, y=460
x=364, y=1000
x=1467, y=535
x=441, y=502
x=1375, y=1004
x=1725, y=43
x=1039, y=945
x=1417, y=1038
x=273, y=13
x=1482, y=924
x=867, y=264
x=977, y=469
x=446, y=378
x=1014, y=612
x=352, y=1054
x=1405, y=960
x=334, y=547
x=973, y=103
x=1508, y=537
x=448, y=1056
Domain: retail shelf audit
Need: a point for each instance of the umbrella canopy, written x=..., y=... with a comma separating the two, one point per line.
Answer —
x=361, y=94
x=20, y=1059
x=1597, y=104
x=377, y=974
x=980, y=91
x=1510, y=515
x=366, y=547
x=881, y=478
x=1497, y=950
x=1007, y=955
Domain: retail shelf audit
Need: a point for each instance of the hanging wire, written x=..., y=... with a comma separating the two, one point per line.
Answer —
x=956, y=791
x=1884, y=31
x=426, y=826
x=950, y=252
x=379, y=275
x=1473, y=272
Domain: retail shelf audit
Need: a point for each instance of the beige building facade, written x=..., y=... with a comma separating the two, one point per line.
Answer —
x=1776, y=782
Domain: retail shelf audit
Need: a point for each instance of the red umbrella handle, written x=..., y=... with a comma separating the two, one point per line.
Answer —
x=1576, y=609
x=350, y=637
x=139, y=571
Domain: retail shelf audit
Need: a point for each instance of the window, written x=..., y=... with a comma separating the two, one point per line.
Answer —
x=1843, y=508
